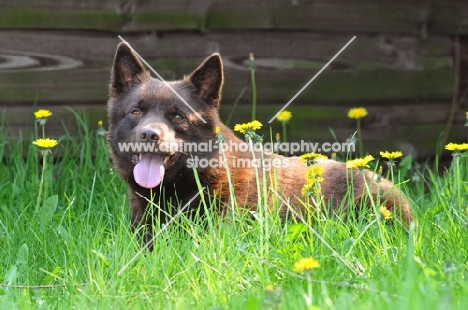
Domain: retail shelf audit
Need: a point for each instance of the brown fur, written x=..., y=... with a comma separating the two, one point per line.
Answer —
x=132, y=89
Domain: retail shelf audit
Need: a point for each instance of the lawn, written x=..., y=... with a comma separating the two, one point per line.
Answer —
x=73, y=248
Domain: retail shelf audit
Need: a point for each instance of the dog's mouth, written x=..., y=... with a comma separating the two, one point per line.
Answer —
x=149, y=168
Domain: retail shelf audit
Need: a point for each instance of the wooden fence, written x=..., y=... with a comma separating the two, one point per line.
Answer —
x=406, y=63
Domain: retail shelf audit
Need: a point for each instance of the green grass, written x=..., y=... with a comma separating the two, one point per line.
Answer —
x=68, y=254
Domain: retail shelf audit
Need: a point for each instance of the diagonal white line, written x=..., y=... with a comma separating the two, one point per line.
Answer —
x=166, y=83
x=157, y=234
x=305, y=86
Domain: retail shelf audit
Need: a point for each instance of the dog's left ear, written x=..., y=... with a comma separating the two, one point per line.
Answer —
x=208, y=79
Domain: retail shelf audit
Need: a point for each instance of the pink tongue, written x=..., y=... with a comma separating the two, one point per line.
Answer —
x=149, y=171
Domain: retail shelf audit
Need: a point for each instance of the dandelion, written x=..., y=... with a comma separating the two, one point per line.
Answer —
x=248, y=129
x=101, y=131
x=284, y=116
x=45, y=143
x=272, y=297
x=308, y=189
x=456, y=148
x=250, y=126
x=277, y=143
x=357, y=113
x=306, y=264
x=269, y=287
x=41, y=117
x=313, y=180
x=386, y=214
x=42, y=113
x=391, y=156
x=219, y=135
x=315, y=173
x=360, y=163
x=311, y=158
x=379, y=175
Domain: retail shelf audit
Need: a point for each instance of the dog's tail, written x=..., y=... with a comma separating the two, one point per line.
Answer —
x=388, y=196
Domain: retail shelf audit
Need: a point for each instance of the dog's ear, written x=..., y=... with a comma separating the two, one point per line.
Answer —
x=127, y=70
x=208, y=79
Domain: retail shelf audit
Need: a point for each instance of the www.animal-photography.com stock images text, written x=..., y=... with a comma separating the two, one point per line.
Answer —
x=284, y=154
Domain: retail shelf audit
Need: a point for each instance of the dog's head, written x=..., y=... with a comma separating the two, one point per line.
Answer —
x=155, y=117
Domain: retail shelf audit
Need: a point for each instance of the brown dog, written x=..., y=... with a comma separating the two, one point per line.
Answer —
x=146, y=112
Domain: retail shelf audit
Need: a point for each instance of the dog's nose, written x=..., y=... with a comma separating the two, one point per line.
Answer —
x=149, y=135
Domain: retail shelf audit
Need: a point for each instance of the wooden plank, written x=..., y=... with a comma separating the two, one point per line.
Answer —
x=406, y=126
x=403, y=17
x=103, y=15
x=27, y=17
x=369, y=16
x=384, y=51
x=372, y=68
x=332, y=87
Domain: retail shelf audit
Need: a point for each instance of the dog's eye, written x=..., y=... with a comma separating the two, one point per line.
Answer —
x=178, y=117
x=136, y=112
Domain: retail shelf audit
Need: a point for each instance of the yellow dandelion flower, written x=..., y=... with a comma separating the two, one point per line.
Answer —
x=99, y=123
x=357, y=113
x=284, y=116
x=217, y=129
x=305, y=264
x=380, y=170
x=278, y=136
x=455, y=147
x=311, y=158
x=308, y=156
x=269, y=287
x=46, y=143
x=42, y=113
x=360, y=162
x=314, y=173
x=317, y=170
x=308, y=188
x=386, y=214
x=312, y=186
x=391, y=155
x=250, y=126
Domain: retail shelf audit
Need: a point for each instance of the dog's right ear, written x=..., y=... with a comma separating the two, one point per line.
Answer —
x=127, y=70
